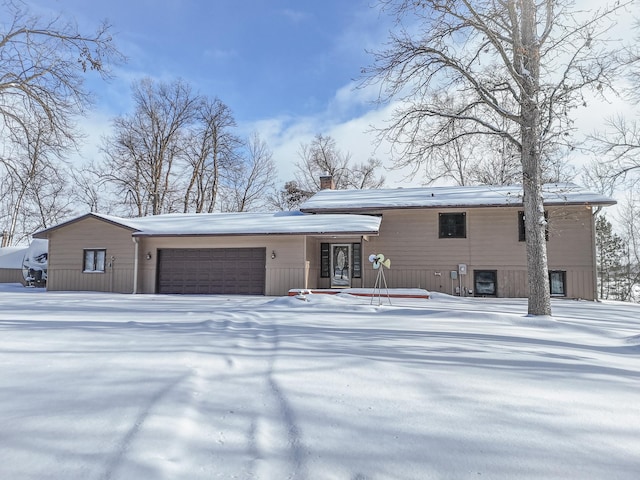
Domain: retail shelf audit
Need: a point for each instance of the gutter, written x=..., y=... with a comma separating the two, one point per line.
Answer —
x=376, y=208
x=355, y=233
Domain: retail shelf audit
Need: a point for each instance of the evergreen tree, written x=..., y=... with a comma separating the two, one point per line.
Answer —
x=610, y=255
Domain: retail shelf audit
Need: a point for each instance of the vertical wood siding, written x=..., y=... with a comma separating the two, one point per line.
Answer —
x=11, y=275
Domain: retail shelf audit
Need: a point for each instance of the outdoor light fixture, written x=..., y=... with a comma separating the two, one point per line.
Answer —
x=273, y=254
x=148, y=255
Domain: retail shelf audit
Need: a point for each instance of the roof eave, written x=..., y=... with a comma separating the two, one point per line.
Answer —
x=380, y=208
x=246, y=234
x=44, y=234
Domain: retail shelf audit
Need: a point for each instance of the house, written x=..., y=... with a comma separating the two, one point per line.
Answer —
x=221, y=253
x=459, y=240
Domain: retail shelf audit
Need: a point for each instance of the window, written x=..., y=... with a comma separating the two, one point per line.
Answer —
x=356, y=252
x=485, y=283
x=324, y=261
x=522, y=235
x=557, y=283
x=453, y=225
x=94, y=260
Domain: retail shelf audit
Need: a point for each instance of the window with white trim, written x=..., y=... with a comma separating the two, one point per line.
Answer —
x=94, y=260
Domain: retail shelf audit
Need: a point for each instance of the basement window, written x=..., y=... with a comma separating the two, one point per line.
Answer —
x=558, y=283
x=94, y=260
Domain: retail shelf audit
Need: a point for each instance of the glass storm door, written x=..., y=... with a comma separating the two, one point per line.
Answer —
x=340, y=268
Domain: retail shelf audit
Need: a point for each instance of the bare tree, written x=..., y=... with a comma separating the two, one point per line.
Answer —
x=89, y=190
x=178, y=152
x=364, y=175
x=525, y=62
x=323, y=157
x=249, y=185
x=43, y=62
x=477, y=159
x=629, y=221
x=32, y=165
x=145, y=146
x=497, y=165
x=210, y=154
x=619, y=142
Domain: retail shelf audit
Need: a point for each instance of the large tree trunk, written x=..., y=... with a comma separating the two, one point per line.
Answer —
x=535, y=222
x=535, y=226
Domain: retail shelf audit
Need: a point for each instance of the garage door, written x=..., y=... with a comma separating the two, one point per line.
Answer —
x=239, y=271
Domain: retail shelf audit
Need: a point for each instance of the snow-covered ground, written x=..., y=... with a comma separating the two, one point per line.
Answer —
x=101, y=386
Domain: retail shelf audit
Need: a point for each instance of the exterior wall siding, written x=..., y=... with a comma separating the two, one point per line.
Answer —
x=420, y=259
x=11, y=275
x=409, y=237
x=284, y=272
x=66, y=248
x=313, y=258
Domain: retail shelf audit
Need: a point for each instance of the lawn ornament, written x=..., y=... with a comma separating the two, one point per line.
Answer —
x=379, y=263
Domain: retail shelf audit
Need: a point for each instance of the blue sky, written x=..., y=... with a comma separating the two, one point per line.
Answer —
x=264, y=58
x=287, y=69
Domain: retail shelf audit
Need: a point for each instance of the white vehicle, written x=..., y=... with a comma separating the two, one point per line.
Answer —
x=34, y=265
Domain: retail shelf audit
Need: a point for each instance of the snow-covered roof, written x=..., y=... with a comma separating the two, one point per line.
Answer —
x=12, y=257
x=440, y=197
x=244, y=223
x=37, y=254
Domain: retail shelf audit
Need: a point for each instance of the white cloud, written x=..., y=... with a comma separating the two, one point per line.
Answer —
x=353, y=133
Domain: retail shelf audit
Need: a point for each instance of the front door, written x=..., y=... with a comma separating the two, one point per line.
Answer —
x=340, y=267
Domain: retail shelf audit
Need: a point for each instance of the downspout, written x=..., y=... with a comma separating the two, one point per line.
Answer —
x=594, y=255
x=306, y=262
x=136, y=241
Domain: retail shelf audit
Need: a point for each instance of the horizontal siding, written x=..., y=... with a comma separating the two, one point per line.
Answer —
x=571, y=237
x=66, y=246
x=419, y=259
x=410, y=238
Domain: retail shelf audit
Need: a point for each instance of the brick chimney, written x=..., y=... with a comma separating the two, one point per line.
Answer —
x=326, y=182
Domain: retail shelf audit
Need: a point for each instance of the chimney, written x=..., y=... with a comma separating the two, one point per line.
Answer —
x=326, y=182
